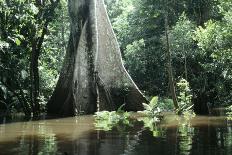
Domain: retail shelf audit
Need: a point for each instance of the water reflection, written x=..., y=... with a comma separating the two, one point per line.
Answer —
x=200, y=135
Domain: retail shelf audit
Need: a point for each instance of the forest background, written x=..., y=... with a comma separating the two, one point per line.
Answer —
x=34, y=36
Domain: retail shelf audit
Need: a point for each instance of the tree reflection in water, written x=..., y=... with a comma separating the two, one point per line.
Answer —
x=199, y=136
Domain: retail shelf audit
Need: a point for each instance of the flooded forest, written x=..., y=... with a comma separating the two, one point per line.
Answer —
x=116, y=77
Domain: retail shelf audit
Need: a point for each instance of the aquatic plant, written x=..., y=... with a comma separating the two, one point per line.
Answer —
x=151, y=116
x=184, y=98
x=152, y=110
x=106, y=120
x=152, y=125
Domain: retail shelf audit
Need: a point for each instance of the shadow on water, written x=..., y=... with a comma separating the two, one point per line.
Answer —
x=201, y=135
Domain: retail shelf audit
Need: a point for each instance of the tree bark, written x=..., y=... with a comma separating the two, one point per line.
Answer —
x=34, y=78
x=92, y=68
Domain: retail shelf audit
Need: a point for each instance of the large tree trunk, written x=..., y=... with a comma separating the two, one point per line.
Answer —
x=93, y=76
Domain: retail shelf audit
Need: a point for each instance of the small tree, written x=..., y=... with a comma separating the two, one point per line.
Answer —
x=181, y=41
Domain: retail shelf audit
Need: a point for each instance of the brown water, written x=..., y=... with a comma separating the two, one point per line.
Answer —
x=77, y=135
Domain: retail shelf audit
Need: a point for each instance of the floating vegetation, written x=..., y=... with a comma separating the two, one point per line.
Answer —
x=106, y=120
x=150, y=117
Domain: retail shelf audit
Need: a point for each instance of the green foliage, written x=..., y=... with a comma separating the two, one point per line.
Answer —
x=106, y=120
x=152, y=110
x=140, y=47
x=229, y=112
x=200, y=34
x=16, y=20
x=166, y=104
x=181, y=37
x=154, y=101
x=182, y=45
x=119, y=11
x=53, y=51
x=151, y=124
x=184, y=97
x=22, y=26
x=214, y=40
x=151, y=116
x=200, y=39
x=135, y=56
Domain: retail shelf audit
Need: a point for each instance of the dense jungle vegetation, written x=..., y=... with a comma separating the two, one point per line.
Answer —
x=164, y=44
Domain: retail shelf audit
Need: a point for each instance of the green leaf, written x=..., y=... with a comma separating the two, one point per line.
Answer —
x=34, y=9
x=147, y=107
x=120, y=108
x=17, y=41
x=154, y=101
x=24, y=74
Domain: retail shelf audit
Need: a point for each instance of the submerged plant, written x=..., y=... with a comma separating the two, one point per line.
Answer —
x=106, y=120
x=151, y=124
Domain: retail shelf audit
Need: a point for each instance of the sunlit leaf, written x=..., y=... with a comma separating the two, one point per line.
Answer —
x=147, y=107
x=34, y=9
x=154, y=101
x=24, y=74
x=17, y=41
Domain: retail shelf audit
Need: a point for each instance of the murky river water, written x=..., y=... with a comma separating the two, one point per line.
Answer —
x=77, y=135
